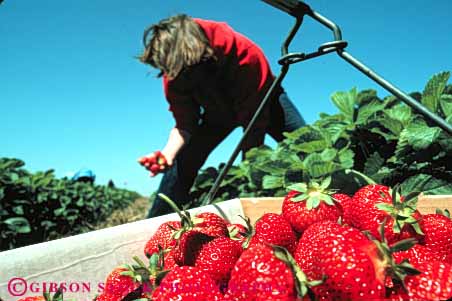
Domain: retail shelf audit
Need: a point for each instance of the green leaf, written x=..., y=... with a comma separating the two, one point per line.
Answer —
x=366, y=112
x=433, y=90
x=346, y=158
x=426, y=184
x=373, y=164
x=316, y=167
x=310, y=147
x=401, y=113
x=385, y=207
x=18, y=224
x=446, y=105
x=329, y=154
x=301, y=187
x=346, y=102
x=420, y=136
x=272, y=182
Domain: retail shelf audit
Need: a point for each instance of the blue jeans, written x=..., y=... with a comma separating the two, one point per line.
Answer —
x=178, y=180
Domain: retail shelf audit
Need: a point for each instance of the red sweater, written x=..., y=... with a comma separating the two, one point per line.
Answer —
x=228, y=90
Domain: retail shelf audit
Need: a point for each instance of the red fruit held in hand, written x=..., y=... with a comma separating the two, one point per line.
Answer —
x=155, y=168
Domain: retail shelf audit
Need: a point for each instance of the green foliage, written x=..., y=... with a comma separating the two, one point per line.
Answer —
x=38, y=207
x=382, y=138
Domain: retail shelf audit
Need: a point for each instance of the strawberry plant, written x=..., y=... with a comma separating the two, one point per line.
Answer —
x=36, y=207
x=381, y=138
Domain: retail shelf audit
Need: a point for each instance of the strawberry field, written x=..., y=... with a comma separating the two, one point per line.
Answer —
x=36, y=207
x=349, y=227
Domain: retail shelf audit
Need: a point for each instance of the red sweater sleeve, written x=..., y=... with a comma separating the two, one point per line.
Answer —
x=186, y=112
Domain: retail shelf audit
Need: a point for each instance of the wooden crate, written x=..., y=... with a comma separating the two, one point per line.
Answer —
x=255, y=207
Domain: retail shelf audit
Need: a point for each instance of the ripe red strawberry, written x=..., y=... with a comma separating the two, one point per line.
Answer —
x=188, y=246
x=416, y=255
x=346, y=203
x=347, y=260
x=211, y=224
x=118, y=285
x=35, y=298
x=307, y=204
x=373, y=204
x=163, y=237
x=272, y=228
x=434, y=282
x=187, y=283
x=218, y=257
x=266, y=273
x=437, y=230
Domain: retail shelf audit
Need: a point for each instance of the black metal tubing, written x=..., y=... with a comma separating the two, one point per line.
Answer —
x=417, y=106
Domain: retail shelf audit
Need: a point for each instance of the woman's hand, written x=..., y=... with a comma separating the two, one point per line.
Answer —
x=155, y=162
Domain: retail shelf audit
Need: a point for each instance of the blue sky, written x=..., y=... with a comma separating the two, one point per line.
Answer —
x=73, y=96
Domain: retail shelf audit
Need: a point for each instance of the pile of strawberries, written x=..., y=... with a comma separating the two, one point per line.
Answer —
x=324, y=245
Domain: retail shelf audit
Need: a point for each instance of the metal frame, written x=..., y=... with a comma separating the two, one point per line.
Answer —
x=298, y=10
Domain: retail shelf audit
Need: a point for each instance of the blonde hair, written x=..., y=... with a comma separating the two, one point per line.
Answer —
x=175, y=44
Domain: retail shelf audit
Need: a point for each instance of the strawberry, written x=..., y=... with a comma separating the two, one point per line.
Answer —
x=218, y=257
x=437, y=237
x=194, y=232
x=266, y=273
x=34, y=298
x=120, y=285
x=416, y=255
x=163, y=237
x=211, y=224
x=307, y=204
x=434, y=282
x=186, y=283
x=373, y=204
x=346, y=203
x=272, y=228
x=188, y=246
x=344, y=256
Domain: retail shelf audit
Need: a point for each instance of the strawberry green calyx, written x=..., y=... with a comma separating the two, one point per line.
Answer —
x=444, y=212
x=58, y=296
x=402, y=211
x=393, y=271
x=313, y=193
x=303, y=285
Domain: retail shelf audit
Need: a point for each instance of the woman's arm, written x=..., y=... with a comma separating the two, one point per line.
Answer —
x=176, y=140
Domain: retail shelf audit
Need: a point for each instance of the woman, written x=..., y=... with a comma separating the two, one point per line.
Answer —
x=214, y=80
